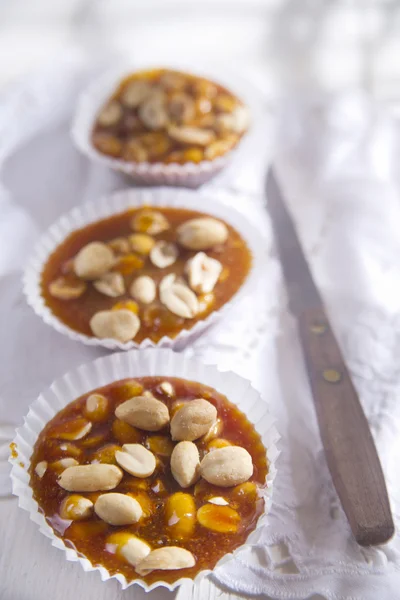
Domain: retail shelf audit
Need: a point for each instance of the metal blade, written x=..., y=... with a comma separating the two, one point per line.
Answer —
x=301, y=288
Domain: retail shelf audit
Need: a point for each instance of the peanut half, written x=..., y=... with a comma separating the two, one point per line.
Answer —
x=143, y=289
x=193, y=420
x=121, y=325
x=96, y=407
x=202, y=233
x=90, y=478
x=118, y=509
x=227, y=466
x=143, y=412
x=136, y=460
x=67, y=288
x=179, y=299
x=110, y=284
x=185, y=464
x=168, y=558
x=203, y=273
x=41, y=468
x=93, y=261
x=163, y=254
x=149, y=221
x=129, y=547
x=76, y=508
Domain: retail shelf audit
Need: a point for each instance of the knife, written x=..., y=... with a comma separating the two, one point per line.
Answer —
x=349, y=447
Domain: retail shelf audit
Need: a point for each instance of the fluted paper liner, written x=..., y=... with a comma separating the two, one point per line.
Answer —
x=122, y=365
x=119, y=202
x=188, y=174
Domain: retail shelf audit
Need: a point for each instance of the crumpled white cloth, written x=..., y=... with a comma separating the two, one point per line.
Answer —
x=336, y=160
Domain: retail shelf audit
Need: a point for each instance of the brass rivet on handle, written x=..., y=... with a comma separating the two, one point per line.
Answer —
x=331, y=375
x=318, y=328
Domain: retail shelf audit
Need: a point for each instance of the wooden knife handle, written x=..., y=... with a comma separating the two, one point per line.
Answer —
x=350, y=450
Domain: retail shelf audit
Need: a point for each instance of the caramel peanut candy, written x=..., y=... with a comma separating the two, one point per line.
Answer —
x=227, y=467
x=127, y=546
x=121, y=325
x=144, y=413
x=166, y=559
x=143, y=289
x=93, y=261
x=202, y=233
x=163, y=254
x=193, y=420
x=110, y=284
x=136, y=460
x=90, y=478
x=203, y=273
x=118, y=509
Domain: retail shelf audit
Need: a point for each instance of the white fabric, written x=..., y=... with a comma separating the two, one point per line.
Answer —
x=337, y=163
x=336, y=160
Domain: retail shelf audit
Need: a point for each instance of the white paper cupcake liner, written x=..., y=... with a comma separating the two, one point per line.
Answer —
x=122, y=365
x=120, y=202
x=187, y=175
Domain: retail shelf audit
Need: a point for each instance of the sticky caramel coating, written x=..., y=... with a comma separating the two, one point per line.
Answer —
x=89, y=536
x=156, y=320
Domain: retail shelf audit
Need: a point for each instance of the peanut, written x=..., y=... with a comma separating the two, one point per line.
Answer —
x=193, y=420
x=118, y=509
x=166, y=559
x=128, y=547
x=185, y=464
x=145, y=413
x=90, y=478
x=227, y=467
x=76, y=508
x=136, y=460
x=93, y=261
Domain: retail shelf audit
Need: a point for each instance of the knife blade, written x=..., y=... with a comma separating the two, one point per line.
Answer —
x=349, y=447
